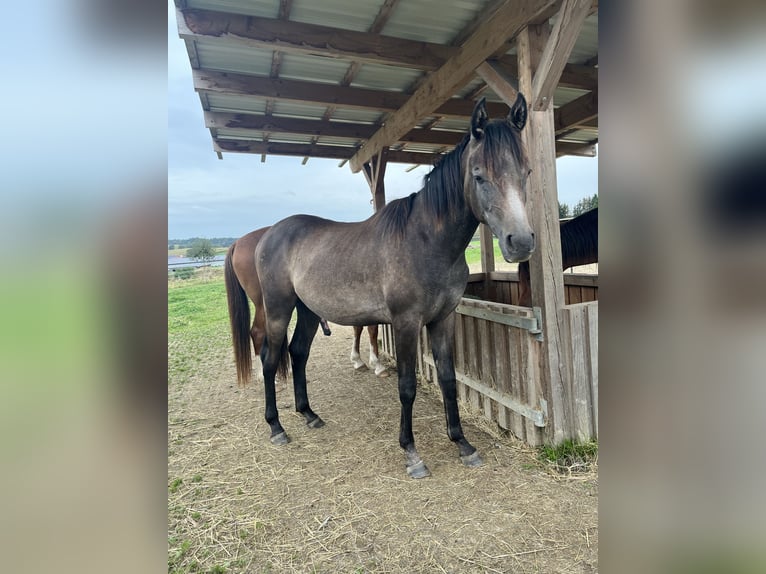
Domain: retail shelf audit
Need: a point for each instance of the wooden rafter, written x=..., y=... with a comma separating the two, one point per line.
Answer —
x=323, y=94
x=226, y=144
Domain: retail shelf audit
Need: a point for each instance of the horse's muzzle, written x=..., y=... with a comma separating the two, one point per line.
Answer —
x=518, y=246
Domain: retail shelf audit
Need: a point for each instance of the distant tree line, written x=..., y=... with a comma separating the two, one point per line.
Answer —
x=188, y=243
x=585, y=204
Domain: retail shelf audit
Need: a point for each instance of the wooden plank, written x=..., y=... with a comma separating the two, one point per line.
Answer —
x=460, y=354
x=487, y=249
x=580, y=387
x=472, y=359
x=592, y=313
x=486, y=368
x=318, y=128
x=312, y=150
x=441, y=84
x=233, y=84
x=502, y=367
x=310, y=39
x=558, y=47
x=582, y=280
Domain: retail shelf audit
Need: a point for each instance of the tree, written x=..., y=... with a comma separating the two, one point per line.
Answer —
x=201, y=250
x=563, y=210
x=585, y=204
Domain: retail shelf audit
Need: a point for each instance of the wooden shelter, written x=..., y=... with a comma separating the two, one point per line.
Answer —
x=369, y=82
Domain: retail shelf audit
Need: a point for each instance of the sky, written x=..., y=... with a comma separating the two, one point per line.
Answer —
x=208, y=197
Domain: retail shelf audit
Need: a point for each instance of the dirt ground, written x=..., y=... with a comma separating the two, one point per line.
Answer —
x=337, y=499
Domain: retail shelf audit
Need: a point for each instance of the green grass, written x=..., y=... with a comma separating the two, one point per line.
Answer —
x=473, y=253
x=175, y=484
x=570, y=455
x=198, y=303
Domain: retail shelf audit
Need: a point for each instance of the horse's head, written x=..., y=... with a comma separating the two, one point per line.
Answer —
x=496, y=178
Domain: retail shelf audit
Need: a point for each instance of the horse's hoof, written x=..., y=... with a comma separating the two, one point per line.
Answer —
x=418, y=470
x=360, y=367
x=280, y=439
x=316, y=423
x=472, y=460
x=383, y=373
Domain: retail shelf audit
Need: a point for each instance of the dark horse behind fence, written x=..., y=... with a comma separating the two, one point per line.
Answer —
x=579, y=246
x=321, y=268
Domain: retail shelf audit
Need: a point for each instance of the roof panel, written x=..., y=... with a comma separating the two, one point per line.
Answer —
x=235, y=104
x=357, y=15
x=262, y=8
x=438, y=21
x=381, y=77
x=233, y=58
x=313, y=68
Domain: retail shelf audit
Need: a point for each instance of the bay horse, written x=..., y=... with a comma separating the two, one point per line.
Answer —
x=321, y=268
x=579, y=246
x=241, y=281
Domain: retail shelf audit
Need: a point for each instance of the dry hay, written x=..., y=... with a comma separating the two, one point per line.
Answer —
x=337, y=499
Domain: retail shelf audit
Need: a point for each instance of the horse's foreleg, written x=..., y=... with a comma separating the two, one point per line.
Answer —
x=406, y=349
x=375, y=364
x=441, y=334
x=356, y=359
x=300, y=346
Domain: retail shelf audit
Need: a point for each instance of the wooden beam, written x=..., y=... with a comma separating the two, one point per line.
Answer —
x=496, y=79
x=557, y=50
x=320, y=151
x=310, y=39
x=545, y=264
x=374, y=172
x=442, y=83
x=487, y=250
x=323, y=94
x=578, y=112
x=318, y=128
x=579, y=77
x=581, y=150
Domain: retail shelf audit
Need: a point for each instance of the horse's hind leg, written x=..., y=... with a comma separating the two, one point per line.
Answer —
x=406, y=337
x=273, y=359
x=375, y=364
x=257, y=331
x=441, y=334
x=356, y=359
x=300, y=346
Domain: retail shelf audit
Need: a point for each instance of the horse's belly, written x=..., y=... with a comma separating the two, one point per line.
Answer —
x=345, y=306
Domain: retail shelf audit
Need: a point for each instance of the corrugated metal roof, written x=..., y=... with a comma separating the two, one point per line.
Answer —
x=432, y=21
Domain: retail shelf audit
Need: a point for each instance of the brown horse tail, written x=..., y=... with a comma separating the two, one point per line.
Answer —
x=239, y=316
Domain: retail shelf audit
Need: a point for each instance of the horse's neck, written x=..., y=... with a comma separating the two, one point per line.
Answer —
x=449, y=237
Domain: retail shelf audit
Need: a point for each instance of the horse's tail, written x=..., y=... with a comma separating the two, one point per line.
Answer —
x=239, y=317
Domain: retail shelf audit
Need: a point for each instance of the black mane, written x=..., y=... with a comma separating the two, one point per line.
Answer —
x=442, y=191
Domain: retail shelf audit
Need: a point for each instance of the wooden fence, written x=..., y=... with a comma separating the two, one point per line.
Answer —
x=497, y=358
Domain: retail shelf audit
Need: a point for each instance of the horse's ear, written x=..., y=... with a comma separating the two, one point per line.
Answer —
x=479, y=118
x=518, y=114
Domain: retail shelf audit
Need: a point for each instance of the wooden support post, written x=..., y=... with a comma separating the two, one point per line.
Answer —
x=487, y=255
x=374, y=172
x=547, y=283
